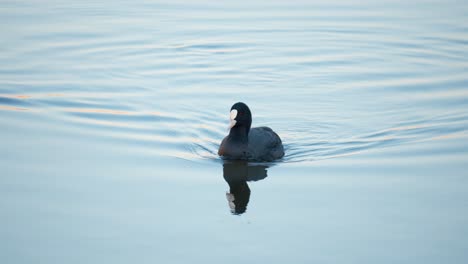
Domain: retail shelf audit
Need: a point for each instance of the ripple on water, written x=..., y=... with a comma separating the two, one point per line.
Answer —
x=196, y=135
x=131, y=79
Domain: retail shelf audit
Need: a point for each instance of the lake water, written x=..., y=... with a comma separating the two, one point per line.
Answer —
x=111, y=115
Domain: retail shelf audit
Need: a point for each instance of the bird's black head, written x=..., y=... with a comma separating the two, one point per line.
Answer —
x=240, y=117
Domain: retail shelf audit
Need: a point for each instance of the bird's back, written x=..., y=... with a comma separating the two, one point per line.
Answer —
x=264, y=144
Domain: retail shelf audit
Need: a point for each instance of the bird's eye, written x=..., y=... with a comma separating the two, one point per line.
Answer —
x=241, y=113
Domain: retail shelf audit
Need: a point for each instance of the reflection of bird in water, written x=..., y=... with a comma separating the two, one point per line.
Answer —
x=236, y=174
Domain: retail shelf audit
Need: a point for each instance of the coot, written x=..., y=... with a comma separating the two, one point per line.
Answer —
x=244, y=143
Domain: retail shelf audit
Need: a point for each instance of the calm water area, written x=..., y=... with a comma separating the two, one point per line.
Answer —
x=111, y=114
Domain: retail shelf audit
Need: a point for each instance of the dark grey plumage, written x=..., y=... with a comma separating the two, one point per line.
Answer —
x=243, y=143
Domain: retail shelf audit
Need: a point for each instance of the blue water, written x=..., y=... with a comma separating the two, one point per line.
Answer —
x=111, y=114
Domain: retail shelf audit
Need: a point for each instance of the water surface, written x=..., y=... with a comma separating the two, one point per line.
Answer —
x=111, y=115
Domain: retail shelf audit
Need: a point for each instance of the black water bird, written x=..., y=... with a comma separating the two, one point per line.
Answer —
x=244, y=143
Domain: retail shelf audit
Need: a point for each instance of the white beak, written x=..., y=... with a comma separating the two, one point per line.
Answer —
x=232, y=123
x=232, y=117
